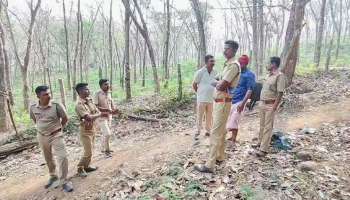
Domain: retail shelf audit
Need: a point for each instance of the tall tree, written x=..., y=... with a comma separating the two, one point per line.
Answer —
x=66, y=45
x=337, y=24
x=76, y=52
x=127, y=48
x=202, y=50
x=255, y=38
x=319, y=36
x=291, y=42
x=4, y=116
x=145, y=34
x=167, y=39
x=110, y=43
x=261, y=27
x=34, y=8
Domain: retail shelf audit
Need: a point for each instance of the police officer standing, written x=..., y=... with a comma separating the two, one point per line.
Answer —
x=222, y=106
x=87, y=113
x=50, y=118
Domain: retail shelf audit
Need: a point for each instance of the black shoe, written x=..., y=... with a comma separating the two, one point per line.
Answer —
x=67, y=187
x=51, y=181
x=203, y=169
x=219, y=162
x=90, y=169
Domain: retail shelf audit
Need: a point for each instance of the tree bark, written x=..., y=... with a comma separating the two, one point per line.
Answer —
x=76, y=51
x=292, y=38
x=202, y=50
x=261, y=28
x=167, y=39
x=255, y=38
x=4, y=115
x=319, y=36
x=110, y=44
x=127, y=49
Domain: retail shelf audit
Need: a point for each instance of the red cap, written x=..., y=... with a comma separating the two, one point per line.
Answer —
x=244, y=60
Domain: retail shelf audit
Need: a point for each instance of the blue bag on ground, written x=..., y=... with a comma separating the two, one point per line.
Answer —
x=280, y=141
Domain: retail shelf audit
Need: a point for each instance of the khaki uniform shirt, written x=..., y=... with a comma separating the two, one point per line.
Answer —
x=231, y=74
x=103, y=100
x=47, y=118
x=85, y=107
x=273, y=85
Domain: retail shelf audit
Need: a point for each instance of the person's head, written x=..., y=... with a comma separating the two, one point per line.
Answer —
x=104, y=84
x=82, y=90
x=243, y=61
x=43, y=94
x=274, y=63
x=209, y=61
x=230, y=49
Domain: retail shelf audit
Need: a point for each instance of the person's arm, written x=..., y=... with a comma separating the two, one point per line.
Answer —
x=62, y=114
x=195, y=86
x=247, y=96
x=281, y=86
x=227, y=78
x=32, y=116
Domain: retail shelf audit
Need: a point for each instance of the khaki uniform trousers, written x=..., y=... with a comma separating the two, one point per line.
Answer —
x=267, y=116
x=87, y=138
x=218, y=133
x=204, y=109
x=53, y=146
x=104, y=125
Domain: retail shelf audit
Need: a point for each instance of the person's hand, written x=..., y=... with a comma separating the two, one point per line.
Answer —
x=240, y=107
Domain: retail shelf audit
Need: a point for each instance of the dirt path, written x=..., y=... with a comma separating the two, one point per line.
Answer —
x=146, y=155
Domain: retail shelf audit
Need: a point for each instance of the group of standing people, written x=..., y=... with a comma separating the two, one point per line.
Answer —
x=50, y=118
x=222, y=98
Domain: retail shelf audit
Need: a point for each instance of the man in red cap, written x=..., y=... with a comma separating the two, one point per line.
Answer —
x=240, y=96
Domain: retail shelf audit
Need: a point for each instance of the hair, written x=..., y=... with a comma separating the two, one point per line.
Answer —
x=275, y=60
x=207, y=57
x=102, y=81
x=41, y=88
x=233, y=44
x=80, y=86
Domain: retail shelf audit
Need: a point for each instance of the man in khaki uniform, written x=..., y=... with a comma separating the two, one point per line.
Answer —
x=271, y=95
x=203, y=86
x=87, y=113
x=50, y=118
x=103, y=101
x=222, y=106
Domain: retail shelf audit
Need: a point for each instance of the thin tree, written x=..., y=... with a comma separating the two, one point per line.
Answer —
x=127, y=48
x=76, y=51
x=110, y=43
x=26, y=60
x=66, y=45
x=319, y=36
x=145, y=34
x=202, y=50
x=167, y=39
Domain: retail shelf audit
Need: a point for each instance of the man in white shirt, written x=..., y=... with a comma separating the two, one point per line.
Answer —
x=203, y=86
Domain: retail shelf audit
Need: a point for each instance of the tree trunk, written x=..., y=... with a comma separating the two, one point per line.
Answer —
x=319, y=36
x=144, y=64
x=292, y=38
x=69, y=83
x=261, y=27
x=127, y=49
x=167, y=38
x=202, y=50
x=76, y=51
x=110, y=44
x=255, y=38
x=179, y=79
x=4, y=115
x=80, y=22
x=144, y=32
